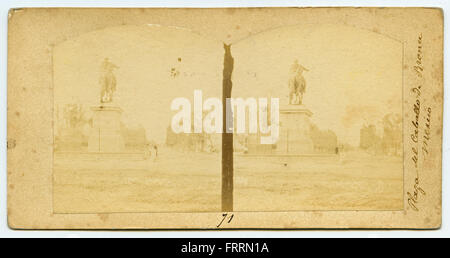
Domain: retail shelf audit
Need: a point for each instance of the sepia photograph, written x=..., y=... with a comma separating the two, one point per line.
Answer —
x=339, y=143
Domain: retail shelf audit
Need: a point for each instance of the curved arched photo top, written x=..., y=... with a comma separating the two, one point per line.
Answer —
x=339, y=127
x=155, y=64
x=344, y=68
x=113, y=94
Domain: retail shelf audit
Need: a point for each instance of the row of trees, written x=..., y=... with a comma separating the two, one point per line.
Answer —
x=324, y=141
x=388, y=142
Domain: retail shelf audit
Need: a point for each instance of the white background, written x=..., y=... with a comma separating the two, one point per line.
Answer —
x=5, y=5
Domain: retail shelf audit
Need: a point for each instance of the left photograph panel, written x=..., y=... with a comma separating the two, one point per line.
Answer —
x=114, y=147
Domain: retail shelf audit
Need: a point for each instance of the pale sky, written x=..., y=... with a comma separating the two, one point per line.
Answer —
x=354, y=75
x=145, y=56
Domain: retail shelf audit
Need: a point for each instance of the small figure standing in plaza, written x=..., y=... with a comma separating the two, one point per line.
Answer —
x=150, y=151
x=297, y=84
x=107, y=81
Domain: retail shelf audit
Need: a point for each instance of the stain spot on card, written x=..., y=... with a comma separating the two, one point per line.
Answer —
x=318, y=214
x=14, y=11
x=289, y=225
x=437, y=97
x=231, y=11
x=11, y=144
x=103, y=216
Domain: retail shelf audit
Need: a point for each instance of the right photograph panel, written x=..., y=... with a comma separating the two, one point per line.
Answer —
x=339, y=142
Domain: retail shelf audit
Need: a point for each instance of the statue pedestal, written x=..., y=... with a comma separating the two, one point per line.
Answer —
x=295, y=127
x=106, y=135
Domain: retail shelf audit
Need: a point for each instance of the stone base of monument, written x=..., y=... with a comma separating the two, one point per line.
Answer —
x=295, y=127
x=106, y=136
x=294, y=135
